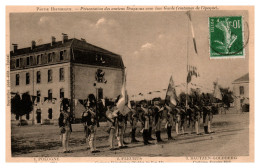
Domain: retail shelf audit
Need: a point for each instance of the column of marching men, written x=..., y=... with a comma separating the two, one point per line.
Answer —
x=150, y=117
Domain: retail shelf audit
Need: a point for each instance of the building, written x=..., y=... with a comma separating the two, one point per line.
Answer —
x=70, y=68
x=241, y=92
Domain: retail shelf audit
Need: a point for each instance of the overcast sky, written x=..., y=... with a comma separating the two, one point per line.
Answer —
x=153, y=45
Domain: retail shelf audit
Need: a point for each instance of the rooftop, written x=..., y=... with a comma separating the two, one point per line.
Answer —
x=243, y=79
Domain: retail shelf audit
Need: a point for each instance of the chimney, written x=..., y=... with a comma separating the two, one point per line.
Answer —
x=15, y=47
x=53, y=40
x=84, y=40
x=64, y=37
x=33, y=45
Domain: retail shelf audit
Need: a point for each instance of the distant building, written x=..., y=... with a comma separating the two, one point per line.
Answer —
x=241, y=91
x=70, y=68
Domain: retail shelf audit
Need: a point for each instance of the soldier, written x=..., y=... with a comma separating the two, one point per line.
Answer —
x=197, y=116
x=177, y=112
x=183, y=118
x=191, y=113
x=151, y=115
x=90, y=122
x=145, y=122
x=133, y=118
x=120, y=126
x=65, y=120
x=205, y=110
x=158, y=119
x=111, y=115
x=169, y=122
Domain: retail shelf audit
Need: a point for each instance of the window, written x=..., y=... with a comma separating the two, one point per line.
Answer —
x=50, y=94
x=17, y=63
x=49, y=57
x=28, y=61
x=21, y=62
x=38, y=96
x=241, y=90
x=31, y=60
x=50, y=113
x=27, y=78
x=38, y=59
x=61, y=55
x=49, y=75
x=61, y=93
x=61, y=74
x=17, y=79
x=38, y=77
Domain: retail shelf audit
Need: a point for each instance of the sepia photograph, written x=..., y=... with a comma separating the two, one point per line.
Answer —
x=130, y=83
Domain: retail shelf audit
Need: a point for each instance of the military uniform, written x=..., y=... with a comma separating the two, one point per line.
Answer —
x=158, y=122
x=145, y=123
x=151, y=119
x=111, y=122
x=183, y=118
x=120, y=127
x=169, y=122
x=90, y=126
x=65, y=120
x=177, y=112
x=133, y=118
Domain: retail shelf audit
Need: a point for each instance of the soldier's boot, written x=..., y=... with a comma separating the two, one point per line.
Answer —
x=145, y=137
x=150, y=134
x=158, y=136
x=169, y=133
x=206, y=129
x=133, y=136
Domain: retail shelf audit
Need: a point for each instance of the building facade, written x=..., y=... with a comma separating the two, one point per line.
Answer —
x=70, y=68
x=241, y=92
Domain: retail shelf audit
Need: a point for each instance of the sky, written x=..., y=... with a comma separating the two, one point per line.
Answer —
x=154, y=45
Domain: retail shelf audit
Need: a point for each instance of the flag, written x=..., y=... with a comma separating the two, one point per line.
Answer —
x=192, y=71
x=171, y=92
x=122, y=102
x=216, y=92
x=192, y=31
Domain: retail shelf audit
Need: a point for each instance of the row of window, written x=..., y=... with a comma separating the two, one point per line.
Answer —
x=39, y=59
x=38, y=94
x=38, y=77
x=38, y=116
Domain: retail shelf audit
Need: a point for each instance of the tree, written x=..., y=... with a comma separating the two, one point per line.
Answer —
x=21, y=106
x=227, y=96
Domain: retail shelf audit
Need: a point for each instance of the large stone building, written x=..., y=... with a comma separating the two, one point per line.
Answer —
x=241, y=92
x=70, y=68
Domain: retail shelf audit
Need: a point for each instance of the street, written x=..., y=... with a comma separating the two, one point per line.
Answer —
x=231, y=138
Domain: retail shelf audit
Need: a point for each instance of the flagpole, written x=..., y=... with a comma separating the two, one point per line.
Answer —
x=186, y=103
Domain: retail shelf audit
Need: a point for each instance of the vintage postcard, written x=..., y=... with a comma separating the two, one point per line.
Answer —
x=143, y=84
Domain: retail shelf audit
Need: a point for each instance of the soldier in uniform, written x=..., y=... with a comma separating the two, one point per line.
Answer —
x=205, y=110
x=151, y=119
x=158, y=119
x=120, y=127
x=177, y=118
x=169, y=122
x=111, y=115
x=145, y=122
x=183, y=118
x=90, y=124
x=65, y=120
x=133, y=118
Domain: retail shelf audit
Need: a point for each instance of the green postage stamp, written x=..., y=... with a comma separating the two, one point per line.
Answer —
x=226, y=37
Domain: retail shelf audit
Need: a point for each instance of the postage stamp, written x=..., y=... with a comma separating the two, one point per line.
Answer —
x=226, y=37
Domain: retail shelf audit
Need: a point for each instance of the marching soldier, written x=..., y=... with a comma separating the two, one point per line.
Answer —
x=183, y=119
x=65, y=120
x=90, y=127
x=197, y=116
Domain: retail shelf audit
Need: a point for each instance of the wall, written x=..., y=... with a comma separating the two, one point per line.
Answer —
x=43, y=87
x=238, y=97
